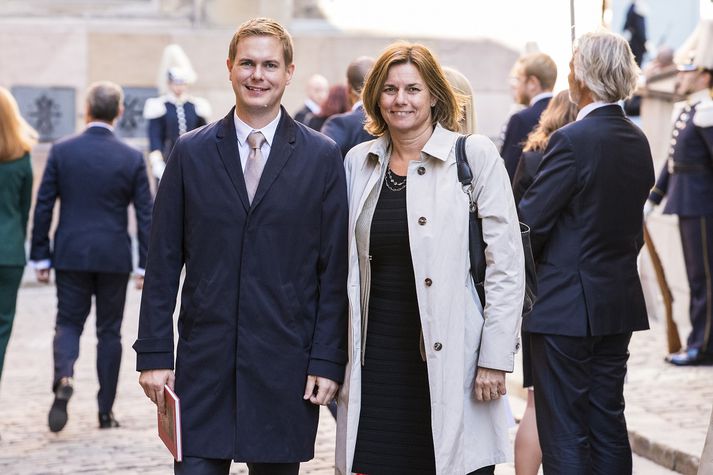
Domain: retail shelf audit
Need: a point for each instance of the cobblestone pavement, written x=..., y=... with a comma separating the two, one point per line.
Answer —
x=673, y=401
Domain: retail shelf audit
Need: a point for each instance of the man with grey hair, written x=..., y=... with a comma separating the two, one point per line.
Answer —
x=97, y=177
x=347, y=129
x=584, y=210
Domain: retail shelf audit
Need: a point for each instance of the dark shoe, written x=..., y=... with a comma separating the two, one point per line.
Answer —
x=107, y=421
x=58, y=412
x=690, y=357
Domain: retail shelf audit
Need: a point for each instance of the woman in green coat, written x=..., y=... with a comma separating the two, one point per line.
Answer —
x=16, y=141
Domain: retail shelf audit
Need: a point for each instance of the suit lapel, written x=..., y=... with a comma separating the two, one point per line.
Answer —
x=282, y=147
x=227, y=143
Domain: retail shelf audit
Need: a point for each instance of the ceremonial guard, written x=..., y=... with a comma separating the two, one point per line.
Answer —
x=175, y=112
x=686, y=181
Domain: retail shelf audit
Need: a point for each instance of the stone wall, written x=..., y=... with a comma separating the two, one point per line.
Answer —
x=73, y=52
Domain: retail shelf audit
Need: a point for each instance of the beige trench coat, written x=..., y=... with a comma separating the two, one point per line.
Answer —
x=467, y=434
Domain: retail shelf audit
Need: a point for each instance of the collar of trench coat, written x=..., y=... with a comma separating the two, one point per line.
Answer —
x=439, y=145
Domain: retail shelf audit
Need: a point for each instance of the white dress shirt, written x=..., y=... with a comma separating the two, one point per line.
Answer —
x=584, y=112
x=540, y=96
x=242, y=130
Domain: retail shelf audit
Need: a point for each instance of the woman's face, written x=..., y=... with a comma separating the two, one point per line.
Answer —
x=405, y=102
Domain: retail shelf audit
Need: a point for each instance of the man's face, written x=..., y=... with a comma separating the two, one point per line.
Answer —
x=178, y=89
x=318, y=90
x=688, y=82
x=259, y=76
x=518, y=85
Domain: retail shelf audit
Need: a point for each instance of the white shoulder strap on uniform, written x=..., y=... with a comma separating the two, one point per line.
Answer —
x=704, y=114
x=154, y=108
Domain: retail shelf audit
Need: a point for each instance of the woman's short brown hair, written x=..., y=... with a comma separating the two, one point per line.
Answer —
x=262, y=27
x=447, y=110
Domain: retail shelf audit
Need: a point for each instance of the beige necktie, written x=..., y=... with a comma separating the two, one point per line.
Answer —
x=255, y=163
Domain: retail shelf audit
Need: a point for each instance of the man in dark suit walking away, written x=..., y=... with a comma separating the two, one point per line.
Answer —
x=347, y=129
x=533, y=78
x=255, y=207
x=96, y=177
x=585, y=213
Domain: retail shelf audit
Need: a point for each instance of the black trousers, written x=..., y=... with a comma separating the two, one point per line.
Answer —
x=74, y=301
x=203, y=466
x=579, y=399
x=697, y=241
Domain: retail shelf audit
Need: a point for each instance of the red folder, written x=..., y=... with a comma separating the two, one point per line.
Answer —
x=169, y=425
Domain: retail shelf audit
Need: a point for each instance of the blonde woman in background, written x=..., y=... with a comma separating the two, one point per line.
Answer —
x=16, y=141
x=461, y=86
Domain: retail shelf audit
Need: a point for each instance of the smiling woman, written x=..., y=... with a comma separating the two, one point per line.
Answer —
x=413, y=303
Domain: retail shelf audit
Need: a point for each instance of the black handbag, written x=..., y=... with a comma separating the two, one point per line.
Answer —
x=476, y=245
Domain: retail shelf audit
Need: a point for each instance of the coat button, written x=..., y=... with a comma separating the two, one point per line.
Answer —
x=421, y=220
x=437, y=346
x=428, y=282
x=421, y=170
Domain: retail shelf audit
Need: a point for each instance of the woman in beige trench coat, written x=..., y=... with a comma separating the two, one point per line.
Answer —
x=466, y=350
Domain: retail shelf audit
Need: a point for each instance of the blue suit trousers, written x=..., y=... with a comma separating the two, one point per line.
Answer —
x=74, y=301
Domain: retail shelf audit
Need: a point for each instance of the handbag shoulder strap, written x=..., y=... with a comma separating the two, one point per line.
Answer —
x=465, y=173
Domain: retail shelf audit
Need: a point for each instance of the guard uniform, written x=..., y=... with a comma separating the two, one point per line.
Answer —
x=170, y=117
x=687, y=182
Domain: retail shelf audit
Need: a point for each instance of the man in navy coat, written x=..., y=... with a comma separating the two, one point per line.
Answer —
x=686, y=180
x=585, y=213
x=347, y=129
x=533, y=78
x=255, y=207
x=96, y=177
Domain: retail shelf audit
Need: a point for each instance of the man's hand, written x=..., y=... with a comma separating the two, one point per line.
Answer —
x=648, y=208
x=152, y=381
x=139, y=282
x=489, y=384
x=43, y=275
x=326, y=390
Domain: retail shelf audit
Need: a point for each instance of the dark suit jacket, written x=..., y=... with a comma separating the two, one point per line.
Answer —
x=347, y=129
x=96, y=177
x=525, y=172
x=15, y=198
x=264, y=299
x=584, y=209
x=519, y=126
x=304, y=115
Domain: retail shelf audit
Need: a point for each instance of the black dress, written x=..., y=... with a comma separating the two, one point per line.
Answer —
x=394, y=435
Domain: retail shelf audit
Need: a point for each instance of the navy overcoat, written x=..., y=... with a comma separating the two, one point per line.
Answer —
x=264, y=299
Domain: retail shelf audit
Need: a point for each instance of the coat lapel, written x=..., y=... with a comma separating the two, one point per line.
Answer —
x=227, y=143
x=282, y=147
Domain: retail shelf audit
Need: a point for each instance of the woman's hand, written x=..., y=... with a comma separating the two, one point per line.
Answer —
x=489, y=384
